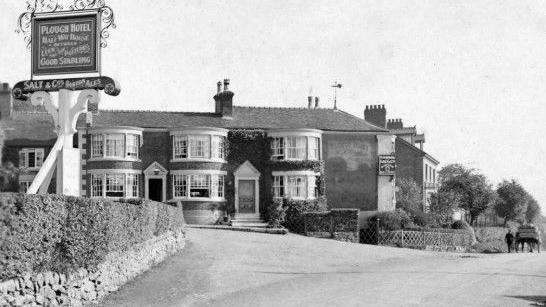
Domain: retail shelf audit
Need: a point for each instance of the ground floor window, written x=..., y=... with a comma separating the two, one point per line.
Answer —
x=295, y=185
x=115, y=185
x=198, y=186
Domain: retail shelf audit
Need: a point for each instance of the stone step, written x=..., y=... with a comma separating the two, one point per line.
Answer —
x=256, y=224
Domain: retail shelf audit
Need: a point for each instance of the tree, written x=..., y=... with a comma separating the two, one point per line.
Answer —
x=512, y=201
x=408, y=195
x=466, y=188
x=533, y=212
x=9, y=178
x=443, y=204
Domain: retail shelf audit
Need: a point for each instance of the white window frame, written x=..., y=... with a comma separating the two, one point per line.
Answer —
x=199, y=144
x=101, y=137
x=129, y=188
x=296, y=145
x=307, y=186
x=183, y=181
x=24, y=157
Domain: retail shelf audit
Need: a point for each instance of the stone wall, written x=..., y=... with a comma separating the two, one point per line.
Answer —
x=84, y=287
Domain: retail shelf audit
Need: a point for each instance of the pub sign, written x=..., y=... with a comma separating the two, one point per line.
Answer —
x=66, y=43
x=387, y=165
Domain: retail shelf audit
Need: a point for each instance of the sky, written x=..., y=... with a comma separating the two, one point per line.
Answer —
x=469, y=74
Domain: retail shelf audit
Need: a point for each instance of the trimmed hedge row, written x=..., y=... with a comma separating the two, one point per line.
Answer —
x=335, y=220
x=294, y=210
x=61, y=233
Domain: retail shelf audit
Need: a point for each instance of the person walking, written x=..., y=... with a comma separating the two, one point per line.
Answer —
x=509, y=239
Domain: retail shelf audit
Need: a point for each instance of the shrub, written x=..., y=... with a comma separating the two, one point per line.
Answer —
x=392, y=220
x=460, y=224
x=275, y=213
x=61, y=233
x=9, y=178
x=295, y=208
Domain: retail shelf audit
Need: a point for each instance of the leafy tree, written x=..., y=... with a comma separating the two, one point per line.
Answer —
x=408, y=195
x=532, y=214
x=9, y=178
x=512, y=201
x=442, y=205
x=466, y=188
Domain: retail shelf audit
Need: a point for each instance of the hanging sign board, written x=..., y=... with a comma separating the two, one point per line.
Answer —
x=23, y=88
x=387, y=165
x=66, y=43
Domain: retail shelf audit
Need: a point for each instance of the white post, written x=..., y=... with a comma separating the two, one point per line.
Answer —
x=63, y=154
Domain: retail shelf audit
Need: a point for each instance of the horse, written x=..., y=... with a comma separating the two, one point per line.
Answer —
x=532, y=243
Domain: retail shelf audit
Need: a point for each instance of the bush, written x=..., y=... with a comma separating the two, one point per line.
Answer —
x=295, y=208
x=460, y=224
x=275, y=213
x=9, y=178
x=392, y=220
x=62, y=233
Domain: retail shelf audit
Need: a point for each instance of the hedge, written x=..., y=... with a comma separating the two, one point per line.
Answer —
x=62, y=233
x=335, y=220
x=294, y=210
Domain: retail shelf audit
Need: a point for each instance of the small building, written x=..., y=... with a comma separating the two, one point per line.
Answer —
x=411, y=160
x=234, y=160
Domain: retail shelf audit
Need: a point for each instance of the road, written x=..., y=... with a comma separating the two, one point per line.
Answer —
x=229, y=268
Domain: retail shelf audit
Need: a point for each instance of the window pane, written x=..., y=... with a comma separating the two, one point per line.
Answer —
x=179, y=185
x=277, y=148
x=133, y=142
x=314, y=148
x=199, y=146
x=218, y=144
x=22, y=159
x=31, y=162
x=295, y=147
x=180, y=146
x=132, y=185
x=39, y=157
x=278, y=186
x=220, y=186
x=296, y=186
x=96, y=185
x=97, y=146
x=199, y=185
x=114, y=185
x=115, y=145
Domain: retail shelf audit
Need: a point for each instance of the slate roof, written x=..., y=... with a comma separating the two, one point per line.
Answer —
x=423, y=153
x=28, y=126
x=243, y=118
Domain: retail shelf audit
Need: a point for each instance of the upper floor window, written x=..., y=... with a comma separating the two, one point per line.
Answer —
x=31, y=157
x=295, y=148
x=198, y=146
x=115, y=145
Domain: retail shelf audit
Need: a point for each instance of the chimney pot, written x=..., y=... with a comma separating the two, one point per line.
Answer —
x=218, y=87
x=226, y=85
x=316, y=102
x=310, y=102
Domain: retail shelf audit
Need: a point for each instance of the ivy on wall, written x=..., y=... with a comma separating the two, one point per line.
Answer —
x=254, y=146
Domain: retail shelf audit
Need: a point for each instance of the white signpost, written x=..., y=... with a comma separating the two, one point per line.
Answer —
x=65, y=43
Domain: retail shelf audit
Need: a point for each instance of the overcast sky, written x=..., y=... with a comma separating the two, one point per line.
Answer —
x=469, y=74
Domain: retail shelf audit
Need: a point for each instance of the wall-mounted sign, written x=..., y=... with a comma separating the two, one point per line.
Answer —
x=387, y=165
x=66, y=43
x=109, y=85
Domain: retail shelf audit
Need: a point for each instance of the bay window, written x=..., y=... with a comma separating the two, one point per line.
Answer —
x=198, y=185
x=299, y=144
x=124, y=145
x=295, y=184
x=31, y=157
x=115, y=185
x=198, y=146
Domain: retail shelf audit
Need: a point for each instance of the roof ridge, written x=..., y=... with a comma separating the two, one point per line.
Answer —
x=288, y=108
x=153, y=111
x=362, y=119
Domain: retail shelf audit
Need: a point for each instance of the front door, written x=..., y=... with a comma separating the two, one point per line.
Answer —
x=247, y=196
x=155, y=189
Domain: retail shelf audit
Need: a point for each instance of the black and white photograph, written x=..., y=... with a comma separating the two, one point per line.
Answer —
x=272, y=153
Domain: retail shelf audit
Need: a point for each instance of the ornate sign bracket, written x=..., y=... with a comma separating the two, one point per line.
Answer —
x=24, y=22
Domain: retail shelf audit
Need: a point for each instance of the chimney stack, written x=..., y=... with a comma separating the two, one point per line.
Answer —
x=316, y=102
x=310, y=102
x=376, y=115
x=224, y=100
x=6, y=101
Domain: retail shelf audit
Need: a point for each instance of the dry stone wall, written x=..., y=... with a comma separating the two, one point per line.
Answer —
x=81, y=287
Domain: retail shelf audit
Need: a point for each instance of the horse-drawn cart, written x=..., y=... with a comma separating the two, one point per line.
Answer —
x=528, y=234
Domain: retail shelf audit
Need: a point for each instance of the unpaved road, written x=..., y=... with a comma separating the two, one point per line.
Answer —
x=229, y=268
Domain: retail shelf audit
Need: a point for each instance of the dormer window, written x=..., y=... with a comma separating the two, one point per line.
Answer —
x=300, y=144
x=199, y=144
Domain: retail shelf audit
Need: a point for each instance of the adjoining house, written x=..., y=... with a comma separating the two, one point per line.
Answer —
x=234, y=160
x=411, y=160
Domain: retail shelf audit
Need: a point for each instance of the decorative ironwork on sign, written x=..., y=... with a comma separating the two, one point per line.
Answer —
x=24, y=22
